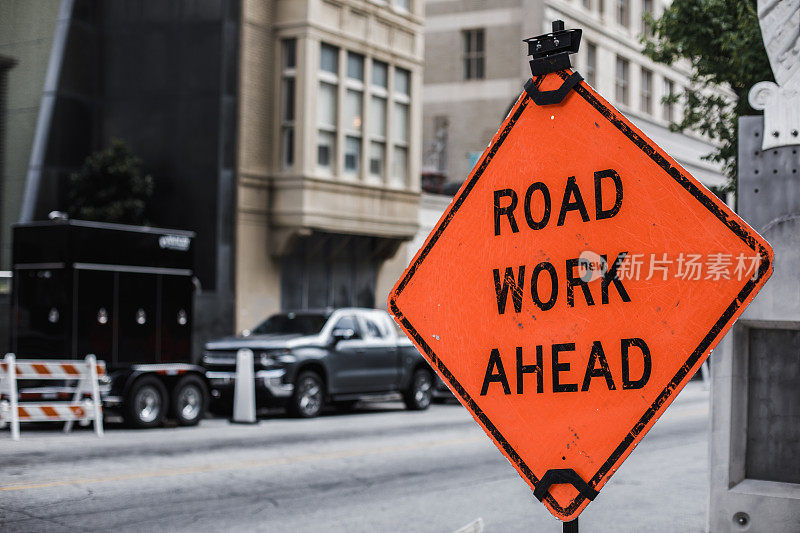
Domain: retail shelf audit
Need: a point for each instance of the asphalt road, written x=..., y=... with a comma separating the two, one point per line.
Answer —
x=378, y=469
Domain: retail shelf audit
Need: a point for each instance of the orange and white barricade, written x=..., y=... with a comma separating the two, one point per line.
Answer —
x=85, y=374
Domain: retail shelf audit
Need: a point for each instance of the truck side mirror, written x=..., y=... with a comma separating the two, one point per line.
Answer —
x=342, y=334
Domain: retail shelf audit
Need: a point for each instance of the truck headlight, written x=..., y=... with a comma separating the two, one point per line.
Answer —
x=277, y=357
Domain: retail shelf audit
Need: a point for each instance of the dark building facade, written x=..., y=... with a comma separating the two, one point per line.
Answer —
x=161, y=76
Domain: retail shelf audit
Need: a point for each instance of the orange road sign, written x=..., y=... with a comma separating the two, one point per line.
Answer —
x=576, y=282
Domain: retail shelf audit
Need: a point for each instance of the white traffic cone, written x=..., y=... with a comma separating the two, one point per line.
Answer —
x=244, y=392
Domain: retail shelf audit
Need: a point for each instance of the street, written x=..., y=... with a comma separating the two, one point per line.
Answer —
x=380, y=468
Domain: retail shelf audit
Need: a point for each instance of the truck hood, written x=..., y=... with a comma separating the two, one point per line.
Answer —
x=261, y=342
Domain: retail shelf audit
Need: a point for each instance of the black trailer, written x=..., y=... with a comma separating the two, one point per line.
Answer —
x=123, y=293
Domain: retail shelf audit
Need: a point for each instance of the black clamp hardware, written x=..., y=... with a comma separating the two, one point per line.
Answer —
x=552, y=97
x=558, y=476
x=550, y=53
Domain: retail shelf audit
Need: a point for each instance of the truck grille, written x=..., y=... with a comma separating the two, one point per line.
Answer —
x=223, y=360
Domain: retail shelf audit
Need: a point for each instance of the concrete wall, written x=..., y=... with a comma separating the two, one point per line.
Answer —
x=755, y=418
x=26, y=35
x=257, y=271
x=5, y=323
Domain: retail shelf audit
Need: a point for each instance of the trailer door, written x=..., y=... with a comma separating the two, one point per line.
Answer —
x=137, y=302
x=176, y=318
x=95, y=313
x=41, y=320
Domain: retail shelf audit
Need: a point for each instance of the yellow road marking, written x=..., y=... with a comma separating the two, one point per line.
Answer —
x=239, y=465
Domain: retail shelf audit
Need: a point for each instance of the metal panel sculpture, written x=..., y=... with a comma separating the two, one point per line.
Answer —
x=780, y=29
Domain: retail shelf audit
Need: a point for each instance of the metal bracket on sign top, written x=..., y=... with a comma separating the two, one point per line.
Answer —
x=550, y=53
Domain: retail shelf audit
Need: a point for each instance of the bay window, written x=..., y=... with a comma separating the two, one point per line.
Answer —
x=327, y=108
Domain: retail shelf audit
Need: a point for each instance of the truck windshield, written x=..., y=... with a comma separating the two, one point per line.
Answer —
x=305, y=324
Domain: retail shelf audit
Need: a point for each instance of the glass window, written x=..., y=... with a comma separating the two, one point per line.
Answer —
x=400, y=165
x=668, y=107
x=380, y=74
x=329, y=59
x=405, y=5
x=352, y=154
x=289, y=53
x=623, y=12
x=287, y=104
x=353, y=106
x=287, y=147
x=377, y=116
x=288, y=47
x=384, y=324
x=326, y=105
x=355, y=66
x=349, y=322
x=372, y=328
x=646, y=100
x=378, y=110
x=474, y=54
x=326, y=147
x=402, y=83
x=377, y=158
x=591, y=63
x=647, y=9
x=400, y=122
x=622, y=81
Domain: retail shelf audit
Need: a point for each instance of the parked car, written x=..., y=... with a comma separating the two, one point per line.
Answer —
x=305, y=360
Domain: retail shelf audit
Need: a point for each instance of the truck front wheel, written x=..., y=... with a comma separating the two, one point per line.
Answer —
x=146, y=403
x=420, y=391
x=309, y=396
x=189, y=400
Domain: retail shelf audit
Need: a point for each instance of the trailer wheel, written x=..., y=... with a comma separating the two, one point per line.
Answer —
x=146, y=403
x=189, y=400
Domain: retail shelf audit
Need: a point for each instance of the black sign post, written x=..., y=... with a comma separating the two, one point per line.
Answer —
x=550, y=53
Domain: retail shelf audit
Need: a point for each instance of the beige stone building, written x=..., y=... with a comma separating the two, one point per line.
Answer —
x=329, y=148
x=476, y=67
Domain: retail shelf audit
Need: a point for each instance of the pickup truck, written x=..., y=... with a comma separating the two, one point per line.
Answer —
x=305, y=360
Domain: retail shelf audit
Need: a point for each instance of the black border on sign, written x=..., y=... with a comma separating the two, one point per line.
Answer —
x=741, y=231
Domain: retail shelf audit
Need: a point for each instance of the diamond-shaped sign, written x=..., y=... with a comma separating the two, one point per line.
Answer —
x=577, y=281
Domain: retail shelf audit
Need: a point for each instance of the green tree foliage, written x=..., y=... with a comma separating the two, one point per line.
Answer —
x=721, y=39
x=110, y=187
